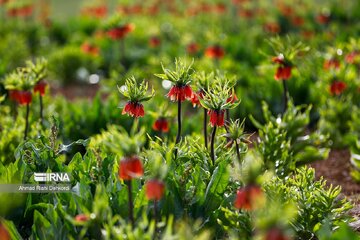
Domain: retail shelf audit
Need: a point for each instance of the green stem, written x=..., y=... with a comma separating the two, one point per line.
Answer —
x=212, y=145
x=285, y=95
x=27, y=120
x=238, y=152
x=205, y=128
x=155, y=218
x=178, y=136
x=41, y=109
x=131, y=206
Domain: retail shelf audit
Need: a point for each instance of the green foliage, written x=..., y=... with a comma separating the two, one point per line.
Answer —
x=135, y=92
x=284, y=144
x=66, y=63
x=334, y=121
x=181, y=76
x=316, y=203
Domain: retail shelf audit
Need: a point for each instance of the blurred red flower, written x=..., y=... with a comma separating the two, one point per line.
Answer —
x=180, y=93
x=283, y=71
x=233, y=98
x=192, y=48
x=134, y=109
x=275, y=234
x=81, y=218
x=90, y=49
x=272, y=27
x=331, y=63
x=352, y=57
x=216, y=117
x=154, y=189
x=154, y=42
x=247, y=196
x=337, y=87
x=216, y=52
x=161, y=125
x=130, y=167
x=120, y=32
x=24, y=97
x=40, y=87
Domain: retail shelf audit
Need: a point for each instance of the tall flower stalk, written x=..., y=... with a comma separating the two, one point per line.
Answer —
x=180, y=91
x=216, y=102
x=203, y=82
x=286, y=51
x=19, y=84
x=39, y=69
x=235, y=134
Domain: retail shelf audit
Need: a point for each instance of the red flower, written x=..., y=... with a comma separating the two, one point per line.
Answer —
x=40, y=87
x=14, y=95
x=161, y=125
x=120, y=32
x=275, y=234
x=216, y=117
x=154, y=189
x=181, y=93
x=130, y=167
x=246, y=197
x=322, y=18
x=192, y=48
x=4, y=233
x=298, y=21
x=24, y=97
x=352, y=57
x=215, y=52
x=233, y=98
x=337, y=87
x=81, y=218
x=90, y=49
x=134, y=109
x=154, y=42
x=331, y=63
x=220, y=8
x=283, y=73
x=272, y=27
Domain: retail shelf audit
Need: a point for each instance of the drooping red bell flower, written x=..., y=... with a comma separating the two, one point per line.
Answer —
x=283, y=71
x=233, y=98
x=275, y=234
x=220, y=8
x=215, y=52
x=24, y=97
x=82, y=218
x=90, y=49
x=337, y=87
x=130, y=167
x=352, y=57
x=134, y=109
x=247, y=196
x=40, y=87
x=216, y=117
x=331, y=64
x=180, y=93
x=161, y=125
x=4, y=233
x=323, y=18
x=14, y=95
x=272, y=27
x=154, y=42
x=192, y=48
x=154, y=189
x=120, y=32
